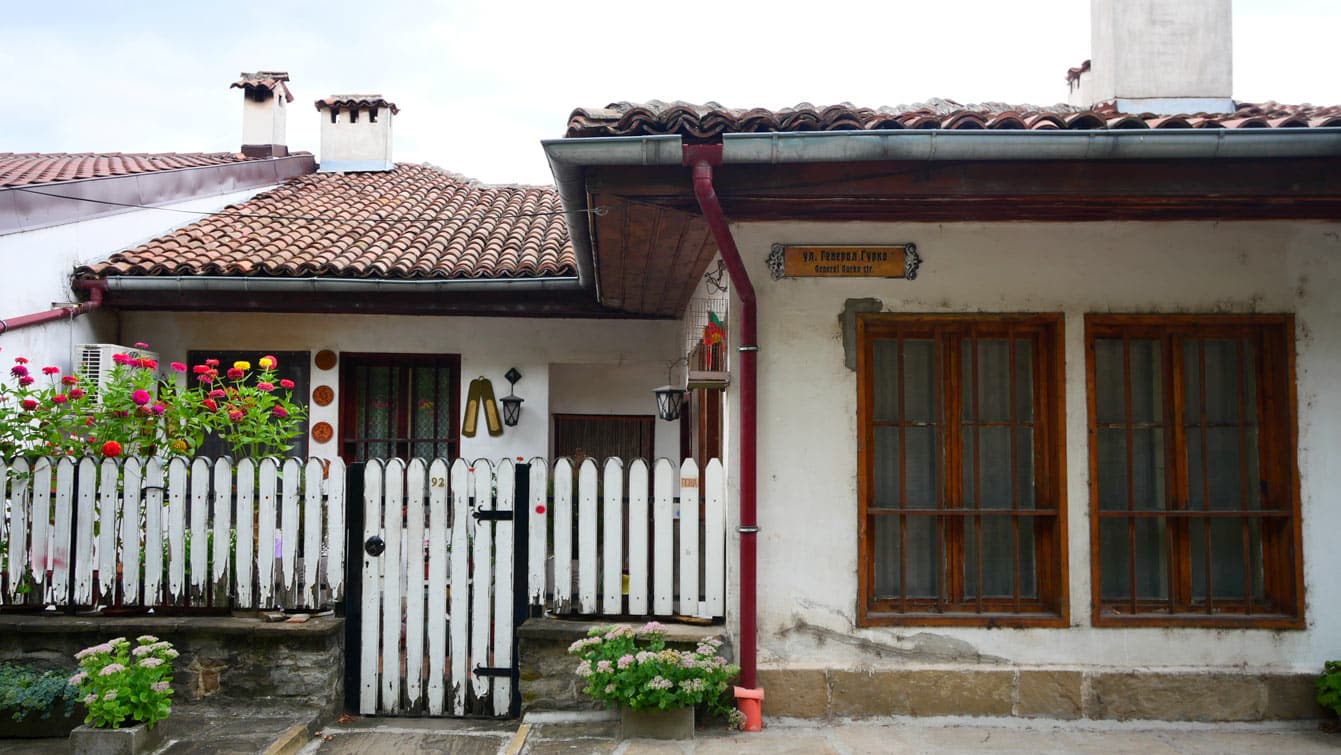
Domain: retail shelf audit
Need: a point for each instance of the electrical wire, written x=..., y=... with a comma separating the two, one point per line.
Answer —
x=599, y=211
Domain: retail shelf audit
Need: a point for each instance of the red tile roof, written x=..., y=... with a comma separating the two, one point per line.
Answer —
x=26, y=168
x=712, y=120
x=268, y=80
x=414, y=222
x=356, y=101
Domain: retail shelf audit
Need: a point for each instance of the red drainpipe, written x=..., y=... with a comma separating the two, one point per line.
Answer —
x=702, y=158
x=95, y=291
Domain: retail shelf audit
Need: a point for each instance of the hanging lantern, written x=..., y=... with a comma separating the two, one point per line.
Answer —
x=511, y=402
x=669, y=399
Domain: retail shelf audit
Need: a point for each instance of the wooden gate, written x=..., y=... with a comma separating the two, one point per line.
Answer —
x=437, y=610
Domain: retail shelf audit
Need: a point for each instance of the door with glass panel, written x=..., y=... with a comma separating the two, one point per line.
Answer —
x=399, y=406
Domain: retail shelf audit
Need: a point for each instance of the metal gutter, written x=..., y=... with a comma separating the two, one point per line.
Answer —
x=977, y=144
x=58, y=313
x=183, y=284
x=568, y=159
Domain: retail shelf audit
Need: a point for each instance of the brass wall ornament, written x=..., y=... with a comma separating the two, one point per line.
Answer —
x=844, y=261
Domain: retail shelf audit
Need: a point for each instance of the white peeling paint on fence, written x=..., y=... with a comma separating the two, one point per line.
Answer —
x=265, y=531
x=289, y=530
x=221, y=510
x=108, y=508
x=86, y=490
x=60, y=546
x=246, y=551
x=663, y=539
x=176, y=527
x=714, y=539
x=458, y=621
x=481, y=578
x=393, y=573
x=132, y=531
x=688, y=561
x=39, y=522
x=313, y=473
x=415, y=489
x=505, y=499
x=587, y=516
x=538, y=543
x=199, y=513
x=563, y=535
x=153, y=533
x=439, y=545
x=15, y=488
x=370, y=620
x=612, y=554
x=638, y=573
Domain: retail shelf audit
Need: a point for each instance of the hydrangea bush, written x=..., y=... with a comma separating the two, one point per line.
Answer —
x=633, y=667
x=137, y=413
x=123, y=683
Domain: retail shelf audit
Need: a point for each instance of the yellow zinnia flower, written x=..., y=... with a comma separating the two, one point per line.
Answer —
x=242, y=365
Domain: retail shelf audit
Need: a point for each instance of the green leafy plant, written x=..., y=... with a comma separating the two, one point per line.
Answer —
x=633, y=667
x=1328, y=687
x=254, y=413
x=25, y=691
x=119, y=682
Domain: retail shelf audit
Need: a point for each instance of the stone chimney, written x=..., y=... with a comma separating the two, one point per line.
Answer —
x=1158, y=56
x=265, y=96
x=356, y=133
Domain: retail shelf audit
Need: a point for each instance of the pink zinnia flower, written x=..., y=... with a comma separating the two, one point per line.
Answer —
x=51, y=370
x=279, y=412
x=235, y=415
x=200, y=369
x=267, y=387
x=69, y=380
x=158, y=408
x=141, y=345
x=235, y=373
x=178, y=367
x=268, y=362
x=209, y=404
x=212, y=362
x=205, y=378
x=20, y=360
x=217, y=393
x=286, y=384
x=18, y=371
x=76, y=393
x=26, y=381
x=140, y=397
x=58, y=399
x=121, y=359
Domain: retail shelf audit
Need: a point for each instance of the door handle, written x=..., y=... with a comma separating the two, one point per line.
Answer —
x=374, y=546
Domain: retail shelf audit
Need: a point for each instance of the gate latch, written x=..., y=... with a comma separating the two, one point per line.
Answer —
x=492, y=515
x=374, y=546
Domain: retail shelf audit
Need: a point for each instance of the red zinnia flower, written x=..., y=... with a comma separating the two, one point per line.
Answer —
x=209, y=404
x=236, y=415
x=20, y=360
x=111, y=448
x=217, y=393
x=28, y=404
x=121, y=358
x=234, y=373
x=200, y=369
x=51, y=370
x=286, y=383
x=140, y=397
x=267, y=387
x=268, y=362
x=18, y=371
x=148, y=364
x=212, y=362
x=69, y=380
x=279, y=412
x=59, y=398
x=26, y=380
x=178, y=367
x=158, y=408
x=76, y=393
x=141, y=345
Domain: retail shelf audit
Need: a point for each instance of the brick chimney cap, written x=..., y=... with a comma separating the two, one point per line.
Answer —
x=264, y=81
x=356, y=102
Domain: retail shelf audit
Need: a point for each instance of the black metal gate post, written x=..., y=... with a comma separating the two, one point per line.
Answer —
x=353, y=582
x=521, y=609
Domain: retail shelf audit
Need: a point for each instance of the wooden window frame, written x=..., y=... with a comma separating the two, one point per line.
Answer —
x=349, y=361
x=1282, y=559
x=1051, y=608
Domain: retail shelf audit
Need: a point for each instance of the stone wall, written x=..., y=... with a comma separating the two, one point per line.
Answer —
x=1039, y=693
x=222, y=658
x=548, y=678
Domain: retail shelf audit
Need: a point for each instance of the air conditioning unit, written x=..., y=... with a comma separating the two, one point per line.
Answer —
x=95, y=361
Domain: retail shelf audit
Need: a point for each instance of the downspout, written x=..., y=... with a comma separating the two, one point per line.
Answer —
x=703, y=158
x=95, y=294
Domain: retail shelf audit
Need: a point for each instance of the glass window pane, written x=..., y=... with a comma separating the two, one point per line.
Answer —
x=885, y=552
x=885, y=380
x=921, y=399
x=1152, y=559
x=994, y=467
x=1147, y=479
x=1147, y=381
x=885, y=468
x=1024, y=380
x=1108, y=381
x=1114, y=560
x=924, y=554
x=1111, y=451
x=922, y=489
x=1024, y=468
x=996, y=559
x=993, y=380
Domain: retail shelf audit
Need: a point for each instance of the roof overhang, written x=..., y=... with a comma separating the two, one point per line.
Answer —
x=649, y=244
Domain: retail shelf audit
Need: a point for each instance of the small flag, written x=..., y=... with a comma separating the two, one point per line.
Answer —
x=714, y=332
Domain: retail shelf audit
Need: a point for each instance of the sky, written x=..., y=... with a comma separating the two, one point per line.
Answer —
x=480, y=83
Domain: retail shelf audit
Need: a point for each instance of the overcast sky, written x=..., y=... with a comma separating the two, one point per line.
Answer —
x=480, y=83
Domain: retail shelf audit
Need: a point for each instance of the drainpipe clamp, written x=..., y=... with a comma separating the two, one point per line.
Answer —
x=748, y=530
x=748, y=348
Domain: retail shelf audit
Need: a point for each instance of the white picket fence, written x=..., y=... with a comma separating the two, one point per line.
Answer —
x=150, y=533
x=438, y=584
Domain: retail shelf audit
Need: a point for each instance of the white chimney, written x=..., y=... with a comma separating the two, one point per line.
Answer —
x=265, y=96
x=1158, y=56
x=356, y=133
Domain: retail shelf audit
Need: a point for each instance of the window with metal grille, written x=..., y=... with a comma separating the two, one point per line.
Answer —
x=601, y=436
x=1194, y=506
x=399, y=406
x=960, y=456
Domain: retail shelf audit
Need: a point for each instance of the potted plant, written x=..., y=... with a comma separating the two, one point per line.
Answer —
x=35, y=703
x=656, y=688
x=1327, y=691
x=127, y=690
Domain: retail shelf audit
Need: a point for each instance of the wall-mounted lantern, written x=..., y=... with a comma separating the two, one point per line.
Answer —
x=511, y=402
x=670, y=397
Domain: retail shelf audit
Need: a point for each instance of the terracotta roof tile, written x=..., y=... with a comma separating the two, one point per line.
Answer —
x=26, y=168
x=711, y=120
x=270, y=81
x=356, y=101
x=414, y=222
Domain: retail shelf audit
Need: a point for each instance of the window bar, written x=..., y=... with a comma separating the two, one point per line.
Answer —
x=1131, y=521
x=903, y=476
x=1204, y=431
x=1240, y=364
x=942, y=369
x=1016, y=558
x=977, y=468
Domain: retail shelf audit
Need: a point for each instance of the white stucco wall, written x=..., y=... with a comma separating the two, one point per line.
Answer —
x=487, y=346
x=35, y=270
x=263, y=122
x=1161, y=49
x=362, y=141
x=808, y=435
